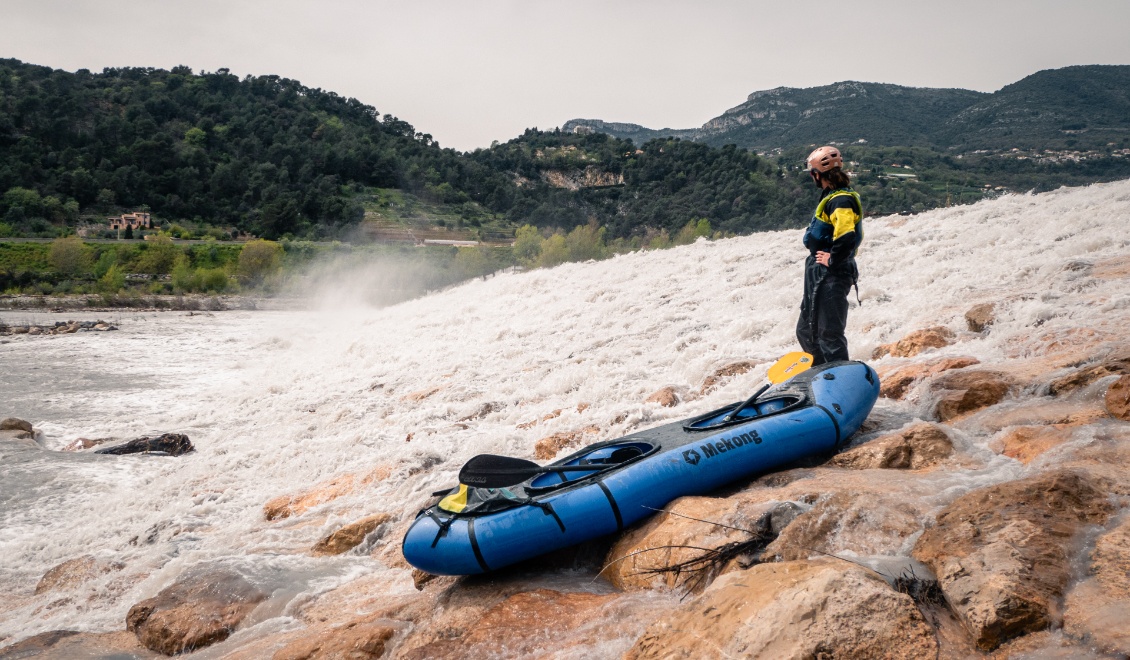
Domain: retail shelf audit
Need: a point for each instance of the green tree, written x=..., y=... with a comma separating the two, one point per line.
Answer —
x=159, y=256
x=586, y=242
x=69, y=256
x=527, y=245
x=554, y=251
x=113, y=281
x=259, y=261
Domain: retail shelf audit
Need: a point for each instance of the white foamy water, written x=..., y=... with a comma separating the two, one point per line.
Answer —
x=276, y=402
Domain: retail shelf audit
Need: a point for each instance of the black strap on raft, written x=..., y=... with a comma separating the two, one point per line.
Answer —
x=547, y=509
x=444, y=525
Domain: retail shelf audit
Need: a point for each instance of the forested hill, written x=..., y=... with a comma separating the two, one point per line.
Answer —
x=263, y=153
x=268, y=155
x=1085, y=107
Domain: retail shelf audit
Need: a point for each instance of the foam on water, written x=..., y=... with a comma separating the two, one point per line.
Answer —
x=278, y=401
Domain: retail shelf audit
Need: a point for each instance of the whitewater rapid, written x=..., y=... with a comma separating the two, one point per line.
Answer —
x=276, y=402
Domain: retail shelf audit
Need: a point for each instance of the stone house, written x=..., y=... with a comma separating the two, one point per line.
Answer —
x=132, y=220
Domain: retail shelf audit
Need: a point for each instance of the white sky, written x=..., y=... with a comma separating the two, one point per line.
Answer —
x=473, y=71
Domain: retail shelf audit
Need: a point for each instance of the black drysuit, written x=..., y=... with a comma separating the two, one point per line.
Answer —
x=837, y=228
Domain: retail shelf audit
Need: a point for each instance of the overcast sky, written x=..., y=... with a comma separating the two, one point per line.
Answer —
x=473, y=71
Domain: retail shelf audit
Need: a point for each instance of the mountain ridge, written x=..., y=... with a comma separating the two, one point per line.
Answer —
x=1086, y=105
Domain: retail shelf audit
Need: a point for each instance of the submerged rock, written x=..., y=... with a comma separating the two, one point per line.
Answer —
x=297, y=504
x=896, y=383
x=917, y=447
x=1118, y=399
x=356, y=639
x=966, y=391
x=1002, y=553
x=1026, y=443
x=980, y=317
x=666, y=397
x=74, y=644
x=729, y=371
x=172, y=444
x=1098, y=609
x=196, y=611
x=916, y=342
x=350, y=536
x=74, y=572
x=798, y=609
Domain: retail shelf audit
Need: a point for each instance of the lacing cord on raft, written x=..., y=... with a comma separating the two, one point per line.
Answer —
x=445, y=524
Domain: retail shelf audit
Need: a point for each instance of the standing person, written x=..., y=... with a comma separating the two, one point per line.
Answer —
x=832, y=237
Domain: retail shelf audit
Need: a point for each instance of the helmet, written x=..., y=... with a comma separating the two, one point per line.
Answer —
x=824, y=159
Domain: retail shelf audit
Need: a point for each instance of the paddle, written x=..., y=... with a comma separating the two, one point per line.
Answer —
x=782, y=370
x=491, y=471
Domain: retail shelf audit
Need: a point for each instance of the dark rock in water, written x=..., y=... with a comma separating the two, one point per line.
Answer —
x=74, y=644
x=196, y=611
x=14, y=424
x=172, y=444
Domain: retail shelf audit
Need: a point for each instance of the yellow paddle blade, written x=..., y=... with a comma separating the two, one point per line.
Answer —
x=455, y=502
x=789, y=366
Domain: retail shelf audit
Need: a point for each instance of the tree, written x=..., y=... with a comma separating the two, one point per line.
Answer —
x=69, y=256
x=113, y=281
x=527, y=245
x=259, y=260
x=159, y=257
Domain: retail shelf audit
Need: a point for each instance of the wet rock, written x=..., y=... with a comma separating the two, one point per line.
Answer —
x=357, y=639
x=80, y=444
x=1098, y=608
x=980, y=317
x=916, y=342
x=866, y=523
x=801, y=609
x=895, y=383
x=350, y=536
x=171, y=444
x=1042, y=411
x=669, y=538
x=196, y=611
x=74, y=572
x=297, y=504
x=15, y=424
x=1026, y=443
x=1118, y=399
x=59, y=644
x=918, y=447
x=1001, y=553
x=1117, y=363
x=665, y=397
x=966, y=391
x=523, y=624
x=725, y=373
x=549, y=446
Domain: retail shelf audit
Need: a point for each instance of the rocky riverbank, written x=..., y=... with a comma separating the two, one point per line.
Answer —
x=56, y=328
x=857, y=555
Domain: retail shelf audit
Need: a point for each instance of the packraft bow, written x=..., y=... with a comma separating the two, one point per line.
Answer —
x=610, y=485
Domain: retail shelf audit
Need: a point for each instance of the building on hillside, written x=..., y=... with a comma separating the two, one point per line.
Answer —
x=132, y=220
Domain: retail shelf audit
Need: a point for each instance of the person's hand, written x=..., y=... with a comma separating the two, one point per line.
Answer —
x=824, y=258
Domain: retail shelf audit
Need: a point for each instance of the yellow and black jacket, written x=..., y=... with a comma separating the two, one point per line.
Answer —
x=837, y=226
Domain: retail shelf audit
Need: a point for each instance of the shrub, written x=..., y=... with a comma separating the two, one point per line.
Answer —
x=113, y=281
x=554, y=251
x=69, y=256
x=259, y=261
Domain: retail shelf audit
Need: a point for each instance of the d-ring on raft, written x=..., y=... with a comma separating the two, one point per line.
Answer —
x=610, y=485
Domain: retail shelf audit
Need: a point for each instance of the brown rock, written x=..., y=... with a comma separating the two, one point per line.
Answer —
x=1116, y=363
x=895, y=383
x=350, y=536
x=1025, y=443
x=524, y=624
x=866, y=523
x=916, y=342
x=196, y=611
x=66, y=644
x=980, y=317
x=74, y=572
x=359, y=639
x=85, y=443
x=1001, y=553
x=804, y=609
x=966, y=391
x=1118, y=399
x=724, y=373
x=665, y=397
x=550, y=446
x=534, y=422
x=14, y=424
x=297, y=504
x=917, y=447
x=1098, y=608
